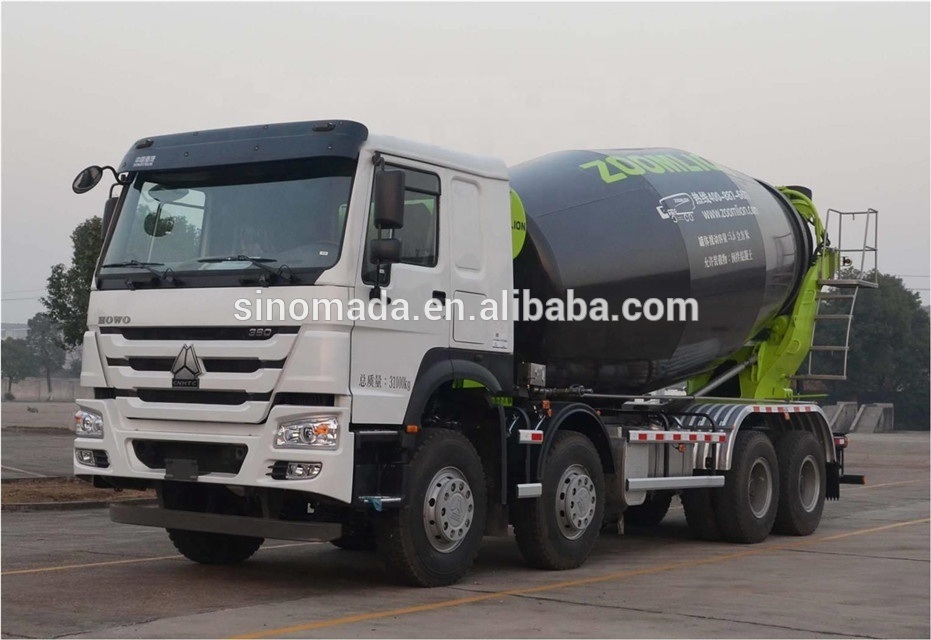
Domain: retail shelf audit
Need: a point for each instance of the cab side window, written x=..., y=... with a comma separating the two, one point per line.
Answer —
x=420, y=234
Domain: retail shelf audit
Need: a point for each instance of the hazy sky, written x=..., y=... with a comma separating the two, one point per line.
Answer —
x=834, y=96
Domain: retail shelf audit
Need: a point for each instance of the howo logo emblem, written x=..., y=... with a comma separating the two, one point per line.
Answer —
x=186, y=368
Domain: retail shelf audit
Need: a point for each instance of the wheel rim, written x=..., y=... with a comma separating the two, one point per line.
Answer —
x=760, y=487
x=809, y=484
x=575, y=501
x=448, y=509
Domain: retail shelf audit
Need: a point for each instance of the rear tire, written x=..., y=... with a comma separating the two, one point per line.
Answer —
x=802, y=484
x=651, y=512
x=559, y=529
x=746, y=505
x=433, y=540
x=700, y=515
x=213, y=548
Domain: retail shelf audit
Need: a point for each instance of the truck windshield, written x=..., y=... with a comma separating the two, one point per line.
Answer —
x=232, y=219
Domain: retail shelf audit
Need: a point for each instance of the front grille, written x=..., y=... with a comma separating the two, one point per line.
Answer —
x=210, y=457
x=194, y=396
x=305, y=399
x=198, y=333
x=148, y=380
x=211, y=365
x=203, y=396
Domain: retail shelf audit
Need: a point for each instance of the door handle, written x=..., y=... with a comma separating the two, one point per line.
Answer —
x=440, y=295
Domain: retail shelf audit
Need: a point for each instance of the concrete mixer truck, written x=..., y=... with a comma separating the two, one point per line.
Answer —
x=303, y=331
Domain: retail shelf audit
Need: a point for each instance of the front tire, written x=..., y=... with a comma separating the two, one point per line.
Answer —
x=355, y=538
x=214, y=548
x=559, y=529
x=802, y=484
x=746, y=504
x=433, y=540
x=201, y=546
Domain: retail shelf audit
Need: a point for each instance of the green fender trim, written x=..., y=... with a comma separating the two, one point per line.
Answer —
x=468, y=384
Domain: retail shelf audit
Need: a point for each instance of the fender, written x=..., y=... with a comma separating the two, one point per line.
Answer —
x=441, y=366
x=575, y=416
x=779, y=417
x=438, y=366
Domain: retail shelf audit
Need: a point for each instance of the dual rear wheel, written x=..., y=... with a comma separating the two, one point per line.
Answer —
x=778, y=489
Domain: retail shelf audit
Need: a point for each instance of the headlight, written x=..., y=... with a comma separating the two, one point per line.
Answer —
x=318, y=432
x=88, y=425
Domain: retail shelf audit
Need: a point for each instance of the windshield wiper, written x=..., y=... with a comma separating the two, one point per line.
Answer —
x=167, y=275
x=283, y=272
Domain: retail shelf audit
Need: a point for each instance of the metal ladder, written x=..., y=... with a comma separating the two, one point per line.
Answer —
x=837, y=297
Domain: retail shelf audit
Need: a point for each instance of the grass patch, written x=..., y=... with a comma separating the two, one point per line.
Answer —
x=35, y=490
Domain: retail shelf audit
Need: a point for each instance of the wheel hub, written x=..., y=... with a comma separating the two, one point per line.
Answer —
x=760, y=487
x=575, y=502
x=448, y=509
x=809, y=484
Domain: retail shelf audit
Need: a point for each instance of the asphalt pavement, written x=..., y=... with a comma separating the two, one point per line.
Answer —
x=32, y=453
x=35, y=440
x=865, y=573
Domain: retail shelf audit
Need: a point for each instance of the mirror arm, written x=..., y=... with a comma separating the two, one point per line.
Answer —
x=116, y=176
x=375, y=292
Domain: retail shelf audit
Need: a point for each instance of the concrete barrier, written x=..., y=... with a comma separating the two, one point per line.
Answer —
x=840, y=416
x=875, y=418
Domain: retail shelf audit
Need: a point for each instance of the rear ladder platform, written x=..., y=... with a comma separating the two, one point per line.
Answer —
x=837, y=298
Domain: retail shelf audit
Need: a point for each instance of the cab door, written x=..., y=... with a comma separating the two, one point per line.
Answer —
x=387, y=353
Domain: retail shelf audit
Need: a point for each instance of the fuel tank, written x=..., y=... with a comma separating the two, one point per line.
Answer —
x=641, y=224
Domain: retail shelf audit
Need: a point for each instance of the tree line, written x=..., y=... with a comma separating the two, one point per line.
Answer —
x=60, y=328
x=40, y=353
x=890, y=351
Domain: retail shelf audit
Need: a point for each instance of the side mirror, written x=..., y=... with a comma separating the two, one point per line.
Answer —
x=389, y=199
x=385, y=251
x=87, y=179
x=108, y=208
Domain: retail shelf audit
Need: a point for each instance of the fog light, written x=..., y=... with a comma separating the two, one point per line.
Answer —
x=88, y=424
x=303, y=470
x=85, y=456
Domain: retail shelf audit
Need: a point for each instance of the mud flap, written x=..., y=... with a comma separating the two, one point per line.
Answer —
x=833, y=481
